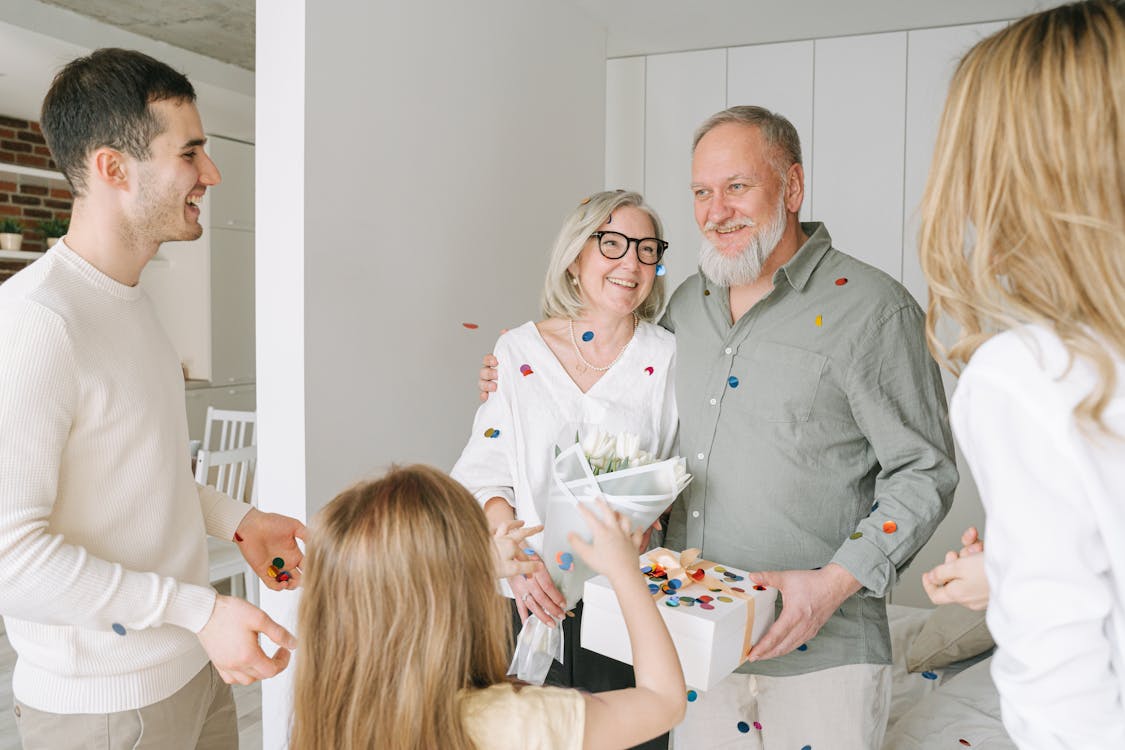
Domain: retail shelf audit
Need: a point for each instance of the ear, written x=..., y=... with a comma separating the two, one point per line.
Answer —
x=110, y=167
x=794, y=188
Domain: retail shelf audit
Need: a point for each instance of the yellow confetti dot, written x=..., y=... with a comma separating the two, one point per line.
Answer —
x=819, y=320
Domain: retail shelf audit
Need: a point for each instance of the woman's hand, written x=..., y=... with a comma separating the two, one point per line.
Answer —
x=536, y=594
x=961, y=578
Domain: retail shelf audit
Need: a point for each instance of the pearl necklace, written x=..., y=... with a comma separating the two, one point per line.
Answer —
x=574, y=340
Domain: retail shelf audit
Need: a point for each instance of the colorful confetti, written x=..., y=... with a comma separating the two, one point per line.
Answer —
x=807, y=747
x=930, y=675
x=705, y=605
x=691, y=696
x=725, y=599
x=672, y=601
x=471, y=326
x=283, y=576
x=706, y=292
x=526, y=370
x=272, y=571
x=856, y=535
x=819, y=320
x=278, y=563
x=732, y=381
x=649, y=370
x=675, y=583
x=890, y=527
x=758, y=725
x=653, y=588
x=529, y=552
x=660, y=270
x=743, y=727
x=841, y=281
x=965, y=742
x=492, y=432
x=237, y=538
x=759, y=587
x=875, y=507
x=803, y=647
x=118, y=628
x=588, y=336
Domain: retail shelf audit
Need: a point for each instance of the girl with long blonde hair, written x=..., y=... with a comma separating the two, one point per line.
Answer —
x=405, y=638
x=1023, y=245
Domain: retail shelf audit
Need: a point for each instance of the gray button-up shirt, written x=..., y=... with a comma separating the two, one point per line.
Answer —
x=817, y=431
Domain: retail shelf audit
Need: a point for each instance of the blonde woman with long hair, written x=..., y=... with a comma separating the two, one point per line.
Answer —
x=1023, y=244
x=405, y=637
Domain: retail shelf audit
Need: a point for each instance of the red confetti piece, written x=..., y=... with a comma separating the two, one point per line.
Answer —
x=841, y=281
x=890, y=527
x=526, y=370
x=471, y=326
x=237, y=538
x=758, y=725
x=759, y=587
x=966, y=743
x=649, y=370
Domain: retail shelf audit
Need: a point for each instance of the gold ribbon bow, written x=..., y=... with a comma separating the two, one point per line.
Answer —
x=689, y=569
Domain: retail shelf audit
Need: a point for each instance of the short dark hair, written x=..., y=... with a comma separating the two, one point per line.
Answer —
x=102, y=100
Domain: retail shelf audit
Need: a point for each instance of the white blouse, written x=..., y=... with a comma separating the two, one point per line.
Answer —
x=1055, y=541
x=537, y=406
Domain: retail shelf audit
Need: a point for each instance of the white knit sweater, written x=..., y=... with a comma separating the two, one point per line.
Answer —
x=102, y=528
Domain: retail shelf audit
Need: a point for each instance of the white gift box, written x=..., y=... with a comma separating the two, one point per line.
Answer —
x=712, y=629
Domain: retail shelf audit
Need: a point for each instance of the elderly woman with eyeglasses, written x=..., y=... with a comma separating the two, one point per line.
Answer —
x=596, y=359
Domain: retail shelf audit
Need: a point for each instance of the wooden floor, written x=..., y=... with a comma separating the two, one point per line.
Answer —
x=247, y=699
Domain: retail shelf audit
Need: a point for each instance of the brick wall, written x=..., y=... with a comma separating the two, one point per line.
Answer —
x=26, y=198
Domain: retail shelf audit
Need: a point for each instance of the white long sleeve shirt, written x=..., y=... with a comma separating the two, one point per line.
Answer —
x=1055, y=539
x=536, y=411
x=103, y=557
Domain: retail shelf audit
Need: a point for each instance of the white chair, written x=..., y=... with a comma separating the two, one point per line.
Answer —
x=229, y=468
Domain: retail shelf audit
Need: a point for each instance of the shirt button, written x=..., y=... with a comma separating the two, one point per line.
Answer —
x=729, y=350
x=714, y=401
x=695, y=514
x=699, y=456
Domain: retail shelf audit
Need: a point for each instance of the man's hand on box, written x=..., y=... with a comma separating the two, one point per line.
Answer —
x=809, y=597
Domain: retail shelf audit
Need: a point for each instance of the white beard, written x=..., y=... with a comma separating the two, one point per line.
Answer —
x=746, y=266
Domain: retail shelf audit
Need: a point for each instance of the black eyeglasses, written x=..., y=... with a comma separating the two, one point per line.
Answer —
x=614, y=245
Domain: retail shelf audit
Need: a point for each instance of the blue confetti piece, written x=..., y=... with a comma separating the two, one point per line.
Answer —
x=588, y=336
x=566, y=566
x=653, y=588
x=803, y=647
x=743, y=727
x=875, y=507
x=930, y=675
x=691, y=696
x=807, y=747
x=529, y=551
x=660, y=270
x=118, y=628
x=674, y=583
x=732, y=381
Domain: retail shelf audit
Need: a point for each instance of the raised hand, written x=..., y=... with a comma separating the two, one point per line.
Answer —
x=613, y=551
x=487, y=376
x=508, y=543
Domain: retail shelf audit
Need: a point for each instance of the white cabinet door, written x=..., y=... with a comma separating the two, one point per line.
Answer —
x=232, y=200
x=232, y=306
x=858, y=136
x=932, y=58
x=625, y=124
x=681, y=91
x=778, y=77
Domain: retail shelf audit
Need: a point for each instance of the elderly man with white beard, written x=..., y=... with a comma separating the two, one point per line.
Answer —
x=814, y=421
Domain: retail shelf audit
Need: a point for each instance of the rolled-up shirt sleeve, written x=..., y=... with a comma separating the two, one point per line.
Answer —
x=487, y=463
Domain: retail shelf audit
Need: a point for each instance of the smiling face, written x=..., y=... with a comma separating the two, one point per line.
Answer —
x=741, y=201
x=616, y=286
x=172, y=181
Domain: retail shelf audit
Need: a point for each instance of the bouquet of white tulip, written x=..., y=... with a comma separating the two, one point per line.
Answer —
x=634, y=484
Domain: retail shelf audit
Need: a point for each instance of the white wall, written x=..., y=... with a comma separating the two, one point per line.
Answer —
x=440, y=146
x=866, y=108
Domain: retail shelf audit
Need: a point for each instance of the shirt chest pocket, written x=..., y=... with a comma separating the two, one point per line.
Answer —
x=776, y=382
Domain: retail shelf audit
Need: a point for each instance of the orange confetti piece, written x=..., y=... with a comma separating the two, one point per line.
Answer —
x=890, y=527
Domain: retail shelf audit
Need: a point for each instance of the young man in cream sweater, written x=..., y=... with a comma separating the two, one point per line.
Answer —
x=120, y=641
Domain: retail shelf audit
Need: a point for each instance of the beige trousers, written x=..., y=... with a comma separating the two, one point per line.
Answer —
x=199, y=716
x=843, y=708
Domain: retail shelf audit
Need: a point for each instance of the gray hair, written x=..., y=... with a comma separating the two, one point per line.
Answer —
x=561, y=298
x=779, y=133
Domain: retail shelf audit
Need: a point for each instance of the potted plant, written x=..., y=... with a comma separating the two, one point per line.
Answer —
x=11, y=234
x=53, y=229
